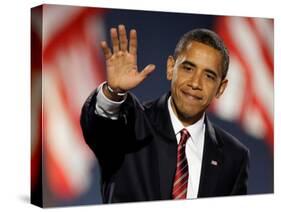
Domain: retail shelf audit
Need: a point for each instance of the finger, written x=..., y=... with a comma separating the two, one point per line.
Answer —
x=133, y=42
x=123, y=38
x=114, y=40
x=106, y=51
x=147, y=71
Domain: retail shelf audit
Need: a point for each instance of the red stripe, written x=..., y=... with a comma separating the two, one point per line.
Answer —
x=263, y=46
x=180, y=172
x=65, y=34
x=268, y=122
x=66, y=92
x=181, y=148
x=75, y=30
x=181, y=156
x=98, y=59
x=36, y=157
x=181, y=163
x=183, y=196
x=180, y=190
x=61, y=185
x=223, y=31
x=56, y=177
x=180, y=187
x=59, y=181
x=67, y=100
x=250, y=98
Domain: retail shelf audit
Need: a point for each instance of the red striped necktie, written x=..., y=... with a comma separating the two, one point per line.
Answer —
x=181, y=176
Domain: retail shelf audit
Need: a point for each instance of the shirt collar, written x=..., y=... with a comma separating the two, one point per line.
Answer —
x=195, y=130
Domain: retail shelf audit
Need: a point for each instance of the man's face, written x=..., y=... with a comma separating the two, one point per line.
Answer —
x=196, y=78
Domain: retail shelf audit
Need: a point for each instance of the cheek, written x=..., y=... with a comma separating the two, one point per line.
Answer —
x=174, y=81
x=174, y=89
x=211, y=93
x=174, y=76
x=179, y=79
x=176, y=84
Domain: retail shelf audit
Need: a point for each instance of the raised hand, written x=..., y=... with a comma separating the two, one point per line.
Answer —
x=121, y=61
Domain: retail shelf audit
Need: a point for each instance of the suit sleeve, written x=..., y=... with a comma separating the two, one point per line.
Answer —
x=110, y=139
x=241, y=183
x=100, y=133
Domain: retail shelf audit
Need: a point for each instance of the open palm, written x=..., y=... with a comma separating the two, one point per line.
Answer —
x=121, y=62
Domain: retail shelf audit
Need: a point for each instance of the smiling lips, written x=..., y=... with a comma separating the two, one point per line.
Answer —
x=191, y=96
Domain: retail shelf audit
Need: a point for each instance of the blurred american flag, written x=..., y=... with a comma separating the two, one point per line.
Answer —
x=249, y=96
x=71, y=69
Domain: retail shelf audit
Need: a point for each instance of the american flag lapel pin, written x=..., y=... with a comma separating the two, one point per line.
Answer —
x=214, y=162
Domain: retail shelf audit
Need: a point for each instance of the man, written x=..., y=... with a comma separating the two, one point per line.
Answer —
x=167, y=148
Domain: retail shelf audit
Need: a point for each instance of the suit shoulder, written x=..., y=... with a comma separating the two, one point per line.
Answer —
x=149, y=104
x=158, y=103
x=230, y=142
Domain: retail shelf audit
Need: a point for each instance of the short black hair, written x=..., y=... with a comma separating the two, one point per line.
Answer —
x=209, y=38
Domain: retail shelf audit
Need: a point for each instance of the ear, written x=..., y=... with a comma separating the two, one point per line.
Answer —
x=222, y=88
x=170, y=67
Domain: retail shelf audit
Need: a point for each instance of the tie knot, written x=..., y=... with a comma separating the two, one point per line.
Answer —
x=184, y=136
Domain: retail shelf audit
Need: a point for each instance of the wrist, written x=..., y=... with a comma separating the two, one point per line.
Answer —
x=113, y=94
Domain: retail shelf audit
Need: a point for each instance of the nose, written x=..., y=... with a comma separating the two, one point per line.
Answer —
x=196, y=81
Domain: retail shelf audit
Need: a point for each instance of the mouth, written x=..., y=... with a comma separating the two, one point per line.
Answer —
x=191, y=97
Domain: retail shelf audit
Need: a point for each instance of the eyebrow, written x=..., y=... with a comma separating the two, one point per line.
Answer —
x=186, y=62
x=210, y=71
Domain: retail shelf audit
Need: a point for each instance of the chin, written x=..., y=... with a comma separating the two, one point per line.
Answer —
x=187, y=113
x=191, y=113
x=188, y=110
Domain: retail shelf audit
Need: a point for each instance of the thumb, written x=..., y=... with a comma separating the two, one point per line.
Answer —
x=147, y=71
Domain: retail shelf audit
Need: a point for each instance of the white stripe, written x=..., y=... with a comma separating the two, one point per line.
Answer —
x=182, y=168
x=181, y=150
x=253, y=123
x=51, y=15
x=266, y=31
x=178, y=196
x=247, y=43
x=181, y=162
x=175, y=191
x=74, y=64
x=78, y=72
x=178, y=180
x=62, y=138
x=185, y=183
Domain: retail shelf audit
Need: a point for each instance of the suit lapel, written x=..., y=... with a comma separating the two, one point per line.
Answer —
x=167, y=155
x=166, y=145
x=211, y=162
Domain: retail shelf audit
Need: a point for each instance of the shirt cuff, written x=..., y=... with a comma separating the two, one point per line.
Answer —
x=106, y=107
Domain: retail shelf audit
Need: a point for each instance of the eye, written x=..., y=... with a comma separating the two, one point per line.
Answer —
x=210, y=76
x=187, y=68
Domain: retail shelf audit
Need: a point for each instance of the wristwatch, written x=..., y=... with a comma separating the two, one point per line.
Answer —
x=114, y=92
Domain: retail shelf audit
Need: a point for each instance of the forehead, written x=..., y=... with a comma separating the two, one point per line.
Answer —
x=201, y=55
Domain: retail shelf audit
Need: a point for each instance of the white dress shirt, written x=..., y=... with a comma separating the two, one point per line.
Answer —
x=194, y=147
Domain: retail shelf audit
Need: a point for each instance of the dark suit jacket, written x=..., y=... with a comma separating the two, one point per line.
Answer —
x=137, y=153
